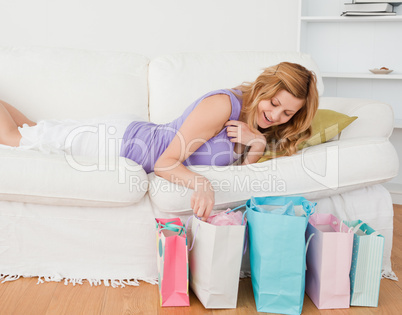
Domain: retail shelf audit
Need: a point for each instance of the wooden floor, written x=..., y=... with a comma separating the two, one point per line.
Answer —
x=24, y=296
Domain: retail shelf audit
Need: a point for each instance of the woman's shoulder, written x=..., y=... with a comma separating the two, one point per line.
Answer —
x=221, y=103
x=229, y=92
x=218, y=103
x=231, y=95
x=219, y=97
x=231, y=98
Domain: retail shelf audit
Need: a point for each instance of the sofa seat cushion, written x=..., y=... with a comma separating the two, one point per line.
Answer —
x=34, y=177
x=316, y=172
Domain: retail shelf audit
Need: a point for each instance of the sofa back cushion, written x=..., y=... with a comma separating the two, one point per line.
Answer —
x=177, y=80
x=56, y=83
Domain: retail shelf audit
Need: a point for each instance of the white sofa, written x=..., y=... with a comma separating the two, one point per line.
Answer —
x=85, y=218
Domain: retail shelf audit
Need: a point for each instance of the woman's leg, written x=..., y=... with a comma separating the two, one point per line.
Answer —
x=18, y=117
x=10, y=120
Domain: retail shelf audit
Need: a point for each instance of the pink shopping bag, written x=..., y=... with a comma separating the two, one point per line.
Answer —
x=172, y=262
x=329, y=258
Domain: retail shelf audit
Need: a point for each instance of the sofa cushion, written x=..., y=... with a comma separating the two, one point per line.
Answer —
x=60, y=83
x=376, y=119
x=315, y=172
x=326, y=125
x=34, y=177
x=177, y=80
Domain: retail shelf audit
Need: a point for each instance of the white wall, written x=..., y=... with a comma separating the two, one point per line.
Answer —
x=151, y=27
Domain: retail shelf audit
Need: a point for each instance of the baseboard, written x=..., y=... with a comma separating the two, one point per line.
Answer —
x=396, y=199
x=395, y=191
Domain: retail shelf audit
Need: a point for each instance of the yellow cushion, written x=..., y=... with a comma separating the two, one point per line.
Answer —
x=326, y=125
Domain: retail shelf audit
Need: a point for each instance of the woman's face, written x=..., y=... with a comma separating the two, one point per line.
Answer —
x=278, y=110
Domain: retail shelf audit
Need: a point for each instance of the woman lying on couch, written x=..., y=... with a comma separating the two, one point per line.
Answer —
x=275, y=112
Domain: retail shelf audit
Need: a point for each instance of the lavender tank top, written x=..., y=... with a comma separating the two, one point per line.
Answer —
x=144, y=142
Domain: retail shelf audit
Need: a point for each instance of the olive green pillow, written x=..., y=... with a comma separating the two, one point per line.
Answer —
x=326, y=125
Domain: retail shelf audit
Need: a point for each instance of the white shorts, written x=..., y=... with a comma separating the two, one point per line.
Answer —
x=89, y=137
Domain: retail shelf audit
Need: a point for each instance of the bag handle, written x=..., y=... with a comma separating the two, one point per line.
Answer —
x=241, y=206
x=195, y=233
x=172, y=227
x=196, y=230
x=308, y=243
x=340, y=226
x=243, y=223
x=357, y=227
x=245, y=240
x=308, y=207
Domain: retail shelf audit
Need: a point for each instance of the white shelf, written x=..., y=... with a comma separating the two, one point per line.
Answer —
x=354, y=19
x=345, y=75
x=355, y=44
x=346, y=47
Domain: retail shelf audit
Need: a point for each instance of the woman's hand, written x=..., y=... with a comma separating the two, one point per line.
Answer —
x=240, y=132
x=203, y=199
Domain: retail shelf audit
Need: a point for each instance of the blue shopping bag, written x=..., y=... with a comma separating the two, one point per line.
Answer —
x=277, y=227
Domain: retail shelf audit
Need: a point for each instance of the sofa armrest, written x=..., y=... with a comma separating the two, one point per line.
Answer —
x=375, y=119
x=30, y=176
x=315, y=172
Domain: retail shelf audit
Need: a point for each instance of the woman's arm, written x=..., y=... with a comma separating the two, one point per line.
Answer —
x=203, y=123
x=255, y=152
x=240, y=133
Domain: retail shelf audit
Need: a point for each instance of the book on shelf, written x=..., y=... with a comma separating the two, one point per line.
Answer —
x=354, y=13
x=394, y=2
x=367, y=7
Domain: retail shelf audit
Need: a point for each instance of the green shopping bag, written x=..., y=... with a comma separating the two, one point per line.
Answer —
x=365, y=272
x=277, y=227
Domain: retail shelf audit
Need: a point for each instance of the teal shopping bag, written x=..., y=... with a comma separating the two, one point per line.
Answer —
x=277, y=227
x=365, y=272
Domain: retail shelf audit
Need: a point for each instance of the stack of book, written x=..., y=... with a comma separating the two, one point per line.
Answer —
x=370, y=7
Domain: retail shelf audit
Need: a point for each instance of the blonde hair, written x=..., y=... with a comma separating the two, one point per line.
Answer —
x=297, y=80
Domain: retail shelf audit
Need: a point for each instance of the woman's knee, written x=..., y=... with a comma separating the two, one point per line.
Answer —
x=11, y=137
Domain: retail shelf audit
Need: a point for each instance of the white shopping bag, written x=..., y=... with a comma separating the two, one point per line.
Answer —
x=215, y=261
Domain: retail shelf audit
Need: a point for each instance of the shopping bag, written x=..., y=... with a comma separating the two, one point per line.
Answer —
x=172, y=262
x=328, y=262
x=365, y=272
x=277, y=227
x=215, y=261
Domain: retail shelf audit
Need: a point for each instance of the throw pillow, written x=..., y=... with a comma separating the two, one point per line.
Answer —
x=326, y=125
